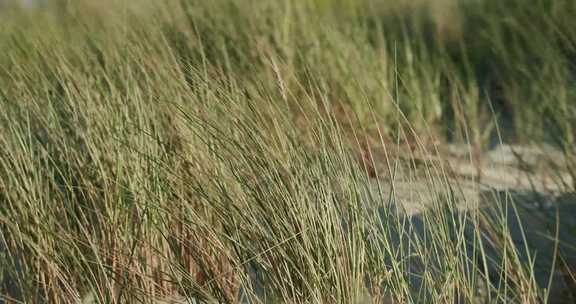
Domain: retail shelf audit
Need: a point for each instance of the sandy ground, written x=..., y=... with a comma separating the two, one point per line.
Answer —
x=528, y=184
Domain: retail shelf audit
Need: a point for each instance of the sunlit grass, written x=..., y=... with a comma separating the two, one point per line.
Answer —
x=225, y=150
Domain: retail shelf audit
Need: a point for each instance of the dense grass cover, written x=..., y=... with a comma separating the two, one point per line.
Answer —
x=225, y=150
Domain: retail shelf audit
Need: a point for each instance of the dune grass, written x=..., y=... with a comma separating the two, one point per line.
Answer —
x=226, y=150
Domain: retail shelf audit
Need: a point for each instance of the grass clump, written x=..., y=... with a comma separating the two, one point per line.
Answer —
x=260, y=151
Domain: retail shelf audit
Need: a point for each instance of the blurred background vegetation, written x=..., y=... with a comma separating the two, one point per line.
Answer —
x=448, y=65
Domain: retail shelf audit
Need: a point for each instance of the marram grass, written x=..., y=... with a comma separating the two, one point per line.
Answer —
x=247, y=151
